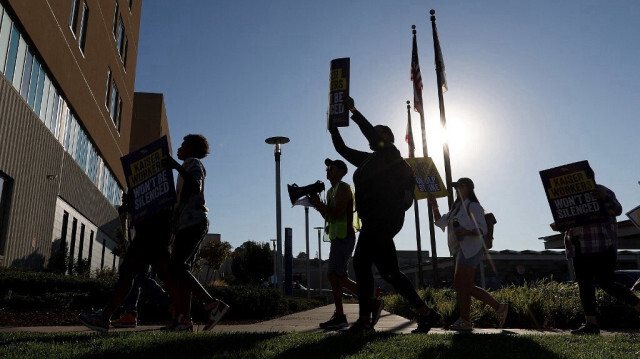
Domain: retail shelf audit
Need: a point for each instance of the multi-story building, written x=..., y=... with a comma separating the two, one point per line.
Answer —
x=67, y=71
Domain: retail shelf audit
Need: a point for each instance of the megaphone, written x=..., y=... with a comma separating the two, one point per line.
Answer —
x=295, y=191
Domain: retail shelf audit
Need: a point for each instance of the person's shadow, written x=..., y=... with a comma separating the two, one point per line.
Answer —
x=444, y=346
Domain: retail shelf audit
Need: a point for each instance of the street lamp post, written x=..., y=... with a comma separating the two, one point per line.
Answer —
x=278, y=141
x=319, y=255
x=275, y=260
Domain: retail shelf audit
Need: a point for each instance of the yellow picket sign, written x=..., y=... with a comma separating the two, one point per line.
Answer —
x=427, y=178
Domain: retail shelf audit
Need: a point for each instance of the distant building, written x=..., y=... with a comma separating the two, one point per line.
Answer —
x=67, y=109
x=628, y=237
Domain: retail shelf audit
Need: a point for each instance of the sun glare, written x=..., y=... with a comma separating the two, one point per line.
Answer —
x=456, y=133
x=463, y=134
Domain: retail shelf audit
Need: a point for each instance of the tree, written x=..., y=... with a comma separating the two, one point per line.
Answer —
x=213, y=254
x=302, y=255
x=252, y=262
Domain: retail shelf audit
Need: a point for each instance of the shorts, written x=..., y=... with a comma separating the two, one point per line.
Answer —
x=186, y=243
x=473, y=261
x=339, y=254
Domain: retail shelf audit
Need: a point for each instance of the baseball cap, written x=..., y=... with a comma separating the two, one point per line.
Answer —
x=465, y=181
x=337, y=164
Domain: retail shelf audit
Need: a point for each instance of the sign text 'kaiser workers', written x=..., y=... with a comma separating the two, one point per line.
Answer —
x=570, y=192
x=150, y=184
x=338, y=115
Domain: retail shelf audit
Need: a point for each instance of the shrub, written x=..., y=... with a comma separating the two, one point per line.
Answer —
x=29, y=290
x=539, y=305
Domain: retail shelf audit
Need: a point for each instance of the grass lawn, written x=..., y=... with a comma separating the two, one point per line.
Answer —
x=313, y=345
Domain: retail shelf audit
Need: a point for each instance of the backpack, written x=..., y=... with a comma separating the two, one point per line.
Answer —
x=488, y=237
x=408, y=182
x=491, y=221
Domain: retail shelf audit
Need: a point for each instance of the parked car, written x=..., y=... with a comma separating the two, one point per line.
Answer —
x=301, y=291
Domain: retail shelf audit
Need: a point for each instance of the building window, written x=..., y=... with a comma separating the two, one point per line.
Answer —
x=114, y=101
x=115, y=20
x=72, y=245
x=12, y=52
x=81, y=246
x=19, y=63
x=104, y=247
x=119, y=117
x=40, y=87
x=35, y=74
x=63, y=232
x=124, y=55
x=107, y=91
x=26, y=76
x=120, y=37
x=73, y=16
x=5, y=31
x=83, y=26
x=123, y=51
x=5, y=201
x=90, y=250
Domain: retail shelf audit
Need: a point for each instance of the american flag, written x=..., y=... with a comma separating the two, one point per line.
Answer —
x=439, y=60
x=416, y=77
x=409, y=136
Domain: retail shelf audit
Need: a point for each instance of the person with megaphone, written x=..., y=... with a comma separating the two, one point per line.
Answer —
x=338, y=213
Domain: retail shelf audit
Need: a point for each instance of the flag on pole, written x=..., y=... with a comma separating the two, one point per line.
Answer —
x=416, y=77
x=409, y=136
x=439, y=61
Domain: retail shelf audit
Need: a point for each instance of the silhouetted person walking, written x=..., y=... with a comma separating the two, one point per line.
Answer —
x=383, y=191
x=594, y=248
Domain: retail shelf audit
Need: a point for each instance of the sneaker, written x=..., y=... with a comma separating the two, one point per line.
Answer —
x=461, y=325
x=126, y=320
x=376, y=309
x=427, y=321
x=587, y=328
x=95, y=321
x=337, y=321
x=359, y=328
x=502, y=312
x=217, y=309
x=184, y=325
x=170, y=325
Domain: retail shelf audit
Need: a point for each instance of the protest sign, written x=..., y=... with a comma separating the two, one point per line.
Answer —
x=338, y=115
x=150, y=185
x=569, y=190
x=427, y=178
x=634, y=216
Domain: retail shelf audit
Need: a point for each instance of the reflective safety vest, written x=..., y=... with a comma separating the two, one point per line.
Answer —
x=339, y=228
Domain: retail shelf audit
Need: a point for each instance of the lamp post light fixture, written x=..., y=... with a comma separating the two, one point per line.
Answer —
x=278, y=141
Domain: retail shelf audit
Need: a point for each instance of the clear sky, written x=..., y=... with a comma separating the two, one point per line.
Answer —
x=532, y=85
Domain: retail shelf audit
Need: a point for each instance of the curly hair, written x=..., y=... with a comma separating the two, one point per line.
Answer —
x=199, y=145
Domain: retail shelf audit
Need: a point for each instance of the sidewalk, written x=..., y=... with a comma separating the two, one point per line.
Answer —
x=304, y=322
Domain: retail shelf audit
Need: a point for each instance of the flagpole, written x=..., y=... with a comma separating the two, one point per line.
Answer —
x=443, y=119
x=412, y=154
x=425, y=153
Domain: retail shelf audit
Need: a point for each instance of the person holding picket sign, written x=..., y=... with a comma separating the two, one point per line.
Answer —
x=383, y=184
x=466, y=226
